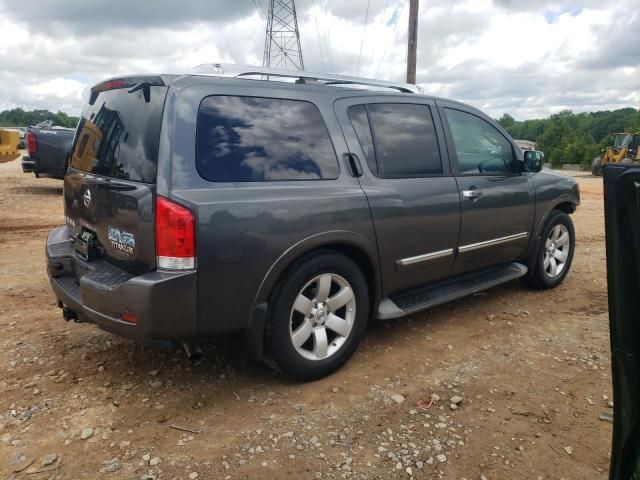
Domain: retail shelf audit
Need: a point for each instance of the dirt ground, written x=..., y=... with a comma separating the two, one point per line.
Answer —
x=532, y=370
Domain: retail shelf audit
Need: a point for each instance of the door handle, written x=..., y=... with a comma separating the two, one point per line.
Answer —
x=472, y=193
x=354, y=164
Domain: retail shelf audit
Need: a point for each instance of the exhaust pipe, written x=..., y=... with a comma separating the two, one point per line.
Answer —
x=194, y=352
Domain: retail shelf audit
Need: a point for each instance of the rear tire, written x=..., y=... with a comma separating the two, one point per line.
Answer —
x=555, y=253
x=596, y=167
x=317, y=316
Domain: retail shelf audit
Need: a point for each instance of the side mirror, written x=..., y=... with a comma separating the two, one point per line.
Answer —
x=533, y=160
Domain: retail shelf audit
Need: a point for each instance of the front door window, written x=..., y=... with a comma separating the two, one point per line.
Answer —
x=481, y=149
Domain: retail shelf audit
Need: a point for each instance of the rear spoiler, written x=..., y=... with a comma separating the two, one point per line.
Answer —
x=142, y=82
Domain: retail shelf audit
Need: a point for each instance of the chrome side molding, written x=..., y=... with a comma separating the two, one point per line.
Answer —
x=403, y=262
x=492, y=242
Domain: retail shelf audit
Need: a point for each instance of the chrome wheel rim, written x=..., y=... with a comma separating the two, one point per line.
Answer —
x=322, y=316
x=556, y=251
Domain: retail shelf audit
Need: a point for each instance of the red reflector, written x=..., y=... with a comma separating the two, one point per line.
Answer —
x=32, y=143
x=129, y=318
x=175, y=235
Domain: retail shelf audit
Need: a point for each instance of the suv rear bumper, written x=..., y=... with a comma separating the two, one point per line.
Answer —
x=164, y=303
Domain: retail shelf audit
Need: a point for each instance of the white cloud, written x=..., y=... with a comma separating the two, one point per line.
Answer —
x=527, y=59
x=59, y=88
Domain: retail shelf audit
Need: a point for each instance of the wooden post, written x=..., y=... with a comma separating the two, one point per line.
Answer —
x=412, y=41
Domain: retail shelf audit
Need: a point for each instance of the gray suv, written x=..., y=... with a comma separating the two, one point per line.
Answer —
x=293, y=207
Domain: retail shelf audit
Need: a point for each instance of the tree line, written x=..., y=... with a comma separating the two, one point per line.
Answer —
x=23, y=118
x=568, y=137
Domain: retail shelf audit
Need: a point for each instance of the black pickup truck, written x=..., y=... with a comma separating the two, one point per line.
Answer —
x=49, y=148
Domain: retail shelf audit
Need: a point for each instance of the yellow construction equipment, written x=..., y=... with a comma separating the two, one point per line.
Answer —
x=9, y=141
x=625, y=149
x=89, y=140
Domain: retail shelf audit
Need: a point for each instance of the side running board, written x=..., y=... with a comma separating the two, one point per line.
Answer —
x=413, y=300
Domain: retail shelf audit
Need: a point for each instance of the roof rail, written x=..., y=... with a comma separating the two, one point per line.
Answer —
x=239, y=71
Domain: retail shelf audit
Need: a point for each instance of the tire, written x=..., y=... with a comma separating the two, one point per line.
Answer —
x=596, y=167
x=292, y=318
x=541, y=275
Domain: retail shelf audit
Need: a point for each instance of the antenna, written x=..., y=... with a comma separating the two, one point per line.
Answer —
x=282, y=42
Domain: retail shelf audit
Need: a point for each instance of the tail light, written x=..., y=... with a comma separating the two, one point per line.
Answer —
x=175, y=235
x=32, y=143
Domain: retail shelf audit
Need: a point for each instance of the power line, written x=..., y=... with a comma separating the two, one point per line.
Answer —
x=373, y=51
x=260, y=7
x=364, y=30
x=327, y=35
x=315, y=16
x=392, y=35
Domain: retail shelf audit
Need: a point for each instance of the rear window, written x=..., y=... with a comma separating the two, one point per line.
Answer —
x=118, y=135
x=251, y=139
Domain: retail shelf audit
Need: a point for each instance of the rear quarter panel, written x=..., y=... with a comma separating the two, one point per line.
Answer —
x=248, y=232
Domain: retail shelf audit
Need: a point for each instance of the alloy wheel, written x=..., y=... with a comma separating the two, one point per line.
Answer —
x=322, y=316
x=556, y=251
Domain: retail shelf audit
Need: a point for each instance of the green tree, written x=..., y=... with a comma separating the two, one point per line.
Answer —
x=566, y=137
x=506, y=121
x=21, y=118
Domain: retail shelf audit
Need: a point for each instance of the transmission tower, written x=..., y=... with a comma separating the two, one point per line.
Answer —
x=282, y=43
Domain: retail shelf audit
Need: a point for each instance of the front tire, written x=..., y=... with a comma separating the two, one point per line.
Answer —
x=596, y=167
x=555, y=253
x=317, y=316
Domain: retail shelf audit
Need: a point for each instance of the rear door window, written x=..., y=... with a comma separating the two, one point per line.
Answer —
x=252, y=139
x=403, y=138
x=118, y=135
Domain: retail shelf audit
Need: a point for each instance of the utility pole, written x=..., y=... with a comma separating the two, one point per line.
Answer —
x=282, y=42
x=412, y=41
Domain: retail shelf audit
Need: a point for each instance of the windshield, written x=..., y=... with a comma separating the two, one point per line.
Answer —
x=118, y=135
x=622, y=140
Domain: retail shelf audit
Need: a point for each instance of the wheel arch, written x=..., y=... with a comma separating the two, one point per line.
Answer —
x=354, y=246
x=564, y=203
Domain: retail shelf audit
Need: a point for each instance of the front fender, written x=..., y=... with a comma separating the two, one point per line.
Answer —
x=549, y=196
x=565, y=199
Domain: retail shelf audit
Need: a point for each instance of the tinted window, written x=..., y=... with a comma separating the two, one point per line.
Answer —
x=480, y=147
x=405, y=139
x=360, y=122
x=118, y=135
x=247, y=139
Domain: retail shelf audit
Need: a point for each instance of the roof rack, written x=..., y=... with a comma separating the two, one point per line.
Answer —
x=239, y=71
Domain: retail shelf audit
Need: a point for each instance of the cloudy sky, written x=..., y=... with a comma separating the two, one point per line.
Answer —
x=526, y=58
